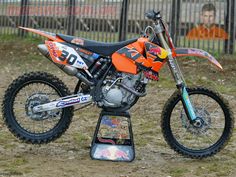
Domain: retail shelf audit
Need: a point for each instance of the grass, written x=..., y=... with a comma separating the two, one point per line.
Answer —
x=10, y=38
x=177, y=171
x=81, y=139
x=15, y=166
x=216, y=168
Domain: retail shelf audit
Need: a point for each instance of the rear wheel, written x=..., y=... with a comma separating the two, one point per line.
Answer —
x=22, y=95
x=204, y=138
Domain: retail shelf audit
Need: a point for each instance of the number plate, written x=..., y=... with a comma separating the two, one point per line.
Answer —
x=65, y=55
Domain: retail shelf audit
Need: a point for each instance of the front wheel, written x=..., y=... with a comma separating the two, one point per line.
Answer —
x=193, y=140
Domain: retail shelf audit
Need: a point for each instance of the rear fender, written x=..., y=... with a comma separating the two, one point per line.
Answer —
x=180, y=52
x=50, y=36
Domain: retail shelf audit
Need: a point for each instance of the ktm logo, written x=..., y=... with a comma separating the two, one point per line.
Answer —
x=131, y=53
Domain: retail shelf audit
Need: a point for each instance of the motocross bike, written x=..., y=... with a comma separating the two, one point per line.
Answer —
x=38, y=107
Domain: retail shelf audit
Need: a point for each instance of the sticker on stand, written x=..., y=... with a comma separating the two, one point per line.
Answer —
x=112, y=153
x=78, y=41
x=114, y=130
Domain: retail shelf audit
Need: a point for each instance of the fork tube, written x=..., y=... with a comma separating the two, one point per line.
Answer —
x=174, y=68
x=178, y=77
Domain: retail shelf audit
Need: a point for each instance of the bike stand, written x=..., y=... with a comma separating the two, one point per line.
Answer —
x=113, y=138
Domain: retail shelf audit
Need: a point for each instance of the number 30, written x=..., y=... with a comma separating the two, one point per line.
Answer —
x=71, y=59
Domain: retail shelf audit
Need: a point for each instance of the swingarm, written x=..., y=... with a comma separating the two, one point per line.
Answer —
x=63, y=102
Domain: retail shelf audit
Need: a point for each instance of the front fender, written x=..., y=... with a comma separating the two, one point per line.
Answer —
x=180, y=52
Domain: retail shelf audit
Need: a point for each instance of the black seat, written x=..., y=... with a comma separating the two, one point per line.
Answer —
x=102, y=48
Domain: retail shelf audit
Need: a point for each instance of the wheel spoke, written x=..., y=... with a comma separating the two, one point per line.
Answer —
x=33, y=93
x=211, y=115
x=30, y=90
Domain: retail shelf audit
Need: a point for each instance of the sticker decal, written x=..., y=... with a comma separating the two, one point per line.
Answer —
x=87, y=54
x=78, y=41
x=52, y=48
x=156, y=50
x=85, y=51
x=69, y=102
x=156, y=56
x=112, y=153
x=65, y=55
x=199, y=53
x=114, y=130
x=203, y=53
x=131, y=53
x=72, y=101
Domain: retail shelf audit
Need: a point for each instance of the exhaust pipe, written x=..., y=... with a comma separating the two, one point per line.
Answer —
x=72, y=71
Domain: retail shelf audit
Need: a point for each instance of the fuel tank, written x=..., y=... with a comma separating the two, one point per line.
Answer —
x=140, y=53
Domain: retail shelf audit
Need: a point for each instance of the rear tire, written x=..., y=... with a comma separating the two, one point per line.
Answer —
x=23, y=92
x=197, y=142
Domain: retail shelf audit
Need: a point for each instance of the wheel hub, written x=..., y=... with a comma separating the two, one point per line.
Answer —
x=198, y=126
x=35, y=100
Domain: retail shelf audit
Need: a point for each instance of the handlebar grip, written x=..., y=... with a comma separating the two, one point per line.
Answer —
x=150, y=14
x=153, y=15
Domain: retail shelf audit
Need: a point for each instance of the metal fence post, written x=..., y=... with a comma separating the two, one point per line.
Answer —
x=24, y=16
x=123, y=23
x=230, y=25
x=175, y=19
x=232, y=28
x=71, y=20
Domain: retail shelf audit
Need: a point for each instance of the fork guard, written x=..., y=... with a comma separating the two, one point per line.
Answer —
x=182, y=52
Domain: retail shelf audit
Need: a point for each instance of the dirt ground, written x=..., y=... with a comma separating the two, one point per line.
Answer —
x=69, y=155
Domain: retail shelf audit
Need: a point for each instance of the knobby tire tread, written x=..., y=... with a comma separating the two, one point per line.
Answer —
x=12, y=91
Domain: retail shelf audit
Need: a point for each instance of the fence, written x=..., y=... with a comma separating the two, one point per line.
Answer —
x=113, y=20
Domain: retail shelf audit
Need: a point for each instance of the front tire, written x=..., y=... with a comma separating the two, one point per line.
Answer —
x=189, y=140
x=27, y=91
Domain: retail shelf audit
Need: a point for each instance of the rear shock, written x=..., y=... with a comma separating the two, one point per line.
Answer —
x=100, y=67
x=97, y=71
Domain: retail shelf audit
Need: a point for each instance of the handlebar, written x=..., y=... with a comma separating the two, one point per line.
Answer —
x=160, y=30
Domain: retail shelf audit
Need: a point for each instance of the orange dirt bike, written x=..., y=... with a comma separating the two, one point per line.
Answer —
x=38, y=107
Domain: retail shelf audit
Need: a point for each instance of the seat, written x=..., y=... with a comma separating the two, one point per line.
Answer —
x=102, y=48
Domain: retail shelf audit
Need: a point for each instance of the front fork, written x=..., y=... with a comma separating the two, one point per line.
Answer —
x=180, y=83
x=178, y=77
x=175, y=71
x=187, y=104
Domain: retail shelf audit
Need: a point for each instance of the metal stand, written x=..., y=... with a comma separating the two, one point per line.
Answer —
x=113, y=138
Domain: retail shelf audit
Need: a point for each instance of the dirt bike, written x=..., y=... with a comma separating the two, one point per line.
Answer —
x=38, y=107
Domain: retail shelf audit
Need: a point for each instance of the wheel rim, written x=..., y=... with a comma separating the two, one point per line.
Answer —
x=30, y=122
x=194, y=137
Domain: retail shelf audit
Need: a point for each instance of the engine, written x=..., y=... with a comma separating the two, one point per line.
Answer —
x=122, y=90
